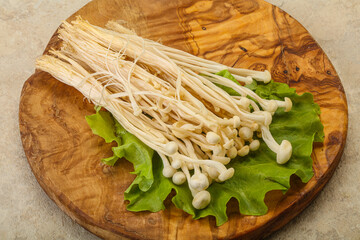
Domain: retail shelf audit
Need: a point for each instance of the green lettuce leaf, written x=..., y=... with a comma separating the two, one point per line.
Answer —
x=256, y=174
x=104, y=125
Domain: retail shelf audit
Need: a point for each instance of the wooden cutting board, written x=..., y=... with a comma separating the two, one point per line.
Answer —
x=65, y=156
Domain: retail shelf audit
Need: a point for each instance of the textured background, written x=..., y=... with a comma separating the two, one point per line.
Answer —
x=27, y=213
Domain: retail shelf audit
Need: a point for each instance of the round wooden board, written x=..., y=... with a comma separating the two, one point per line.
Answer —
x=64, y=154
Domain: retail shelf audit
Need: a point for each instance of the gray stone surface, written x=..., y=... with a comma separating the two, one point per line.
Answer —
x=27, y=213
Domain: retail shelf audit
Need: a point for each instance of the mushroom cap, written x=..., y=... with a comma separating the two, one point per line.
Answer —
x=254, y=145
x=212, y=138
x=165, y=118
x=232, y=152
x=244, y=151
x=245, y=133
x=190, y=166
x=171, y=147
x=176, y=163
x=284, y=152
x=229, y=144
x=218, y=150
x=179, y=178
x=168, y=171
x=226, y=174
x=237, y=121
x=250, y=79
x=244, y=102
x=213, y=173
x=288, y=104
x=199, y=181
x=267, y=76
x=201, y=199
x=254, y=127
x=267, y=118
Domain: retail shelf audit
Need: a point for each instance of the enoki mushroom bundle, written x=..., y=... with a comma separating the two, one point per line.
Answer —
x=169, y=99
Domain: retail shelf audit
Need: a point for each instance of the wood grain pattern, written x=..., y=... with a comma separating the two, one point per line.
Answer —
x=64, y=154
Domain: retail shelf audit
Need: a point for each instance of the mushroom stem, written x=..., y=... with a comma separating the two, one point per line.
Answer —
x=168, y=170
x=283, y=151
x=287, y=104
x=169, y=100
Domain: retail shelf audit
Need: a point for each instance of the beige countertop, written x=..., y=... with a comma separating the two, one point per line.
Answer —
x=26, y=212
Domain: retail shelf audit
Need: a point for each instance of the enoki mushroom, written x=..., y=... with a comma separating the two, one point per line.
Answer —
x=169, y=100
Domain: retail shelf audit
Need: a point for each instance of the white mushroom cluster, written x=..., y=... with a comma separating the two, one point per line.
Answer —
x=169, y=100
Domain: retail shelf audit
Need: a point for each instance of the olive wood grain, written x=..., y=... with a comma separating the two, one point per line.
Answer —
x=64, y=154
